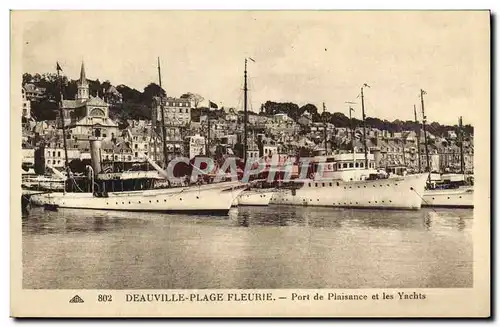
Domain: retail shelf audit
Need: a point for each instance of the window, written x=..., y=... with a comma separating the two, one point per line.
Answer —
x=104, y=135
x=357, y=165
x=315, y=184
x=59, y=153
x=135, y=146
x=350, y=164
x=116, y=157
x=187, y=110
x=129, y=158
x=145, y=146
x=339, y=165
x=53, y=153
x=180, y=110
x=344, y=165
x=135, y=155
x=323, y=184
x=361, y=165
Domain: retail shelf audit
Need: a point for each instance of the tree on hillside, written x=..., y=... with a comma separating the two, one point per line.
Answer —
x=129, y=95
x=151, y=91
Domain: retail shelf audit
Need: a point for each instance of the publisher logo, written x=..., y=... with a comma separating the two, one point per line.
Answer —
x=76, y=299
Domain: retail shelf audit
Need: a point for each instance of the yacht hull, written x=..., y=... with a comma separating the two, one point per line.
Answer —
x=216, y=198
x=254, y=198
x=395, y=193
x=453, y=198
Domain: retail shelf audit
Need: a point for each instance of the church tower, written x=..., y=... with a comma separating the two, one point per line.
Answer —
x=83, y=86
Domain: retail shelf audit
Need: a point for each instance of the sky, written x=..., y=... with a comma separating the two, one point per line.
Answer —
x=300, y=57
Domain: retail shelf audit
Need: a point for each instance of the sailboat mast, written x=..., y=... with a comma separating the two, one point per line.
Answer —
x=418, y=137
x=364, y=126
x=422, y=92
x=164, y=133
x=245, y=114
x=324, y=129
x=207, y=150
x=61, y=114
x=461, y=131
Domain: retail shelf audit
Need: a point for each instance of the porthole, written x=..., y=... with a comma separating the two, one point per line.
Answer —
x=149, y=201
x=116, y=202
x=164, y=200
x=433, y=198
x=180, y=199
x=460, y=197
x=375, y=201
x=369, y=202
x=139, y=201
x=197, y=197
x=129, y=202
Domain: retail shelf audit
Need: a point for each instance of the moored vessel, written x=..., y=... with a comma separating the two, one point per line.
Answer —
x=345, y=182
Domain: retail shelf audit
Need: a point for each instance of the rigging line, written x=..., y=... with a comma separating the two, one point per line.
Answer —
x=423, y=199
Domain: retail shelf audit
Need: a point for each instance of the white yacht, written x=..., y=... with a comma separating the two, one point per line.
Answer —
x=137, y=191
x=209, y=198
x=450, y=190
x=344, y=180
x=255, y=197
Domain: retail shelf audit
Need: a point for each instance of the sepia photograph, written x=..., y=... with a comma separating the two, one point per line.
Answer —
x=285, y=158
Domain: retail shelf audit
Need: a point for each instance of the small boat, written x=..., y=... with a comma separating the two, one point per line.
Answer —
x=460, y=197
x=255, y=197
x=450, y=190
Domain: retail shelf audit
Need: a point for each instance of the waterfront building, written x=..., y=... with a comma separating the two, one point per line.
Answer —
x=26, y=105
x=33, y=92
x=177, y=112
x=196, y=145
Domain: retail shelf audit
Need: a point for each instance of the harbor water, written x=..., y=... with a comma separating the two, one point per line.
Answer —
x=252, y=247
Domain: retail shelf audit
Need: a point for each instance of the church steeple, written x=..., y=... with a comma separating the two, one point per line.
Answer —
x=83, y=79
x=83, y=85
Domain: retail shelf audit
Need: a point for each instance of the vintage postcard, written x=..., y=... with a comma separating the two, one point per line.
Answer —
x=250, y=163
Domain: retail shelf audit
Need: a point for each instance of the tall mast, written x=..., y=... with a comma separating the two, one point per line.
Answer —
x=207, y=146
x=245, y=115
x=461, y=134
x=61, y=114
x=352, y=129
x=324, y=129
x=364, y=124
x=418, y=136
x=163, y=132
x=424, y=118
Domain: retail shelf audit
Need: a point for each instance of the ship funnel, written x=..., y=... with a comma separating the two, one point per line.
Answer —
x=95, y=155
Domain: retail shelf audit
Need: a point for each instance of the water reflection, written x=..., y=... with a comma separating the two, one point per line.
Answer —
x=252, y=247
